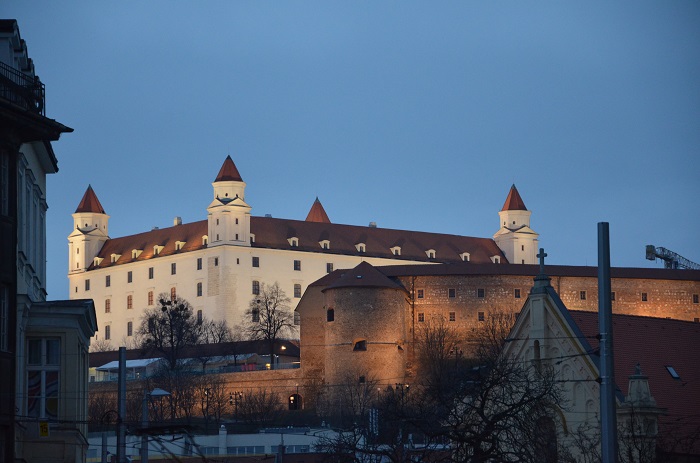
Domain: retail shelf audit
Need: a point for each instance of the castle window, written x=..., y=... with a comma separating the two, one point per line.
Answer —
x=420, y=293
x=150, y=298
x=325, y=244
x=199, y=316
x=108, y=281
x=297, y=265
x=481, y=317
x=199, y=263
x=696, y=298
x=297, y=290
x=644, y=297
x=129, y=276
x=452, y=293
x=421, y=317
x=108, y=306
x=256, y=287
x=199, y=289
x=496, y=259
x=255, y=315
x=297, y=318
x=236, y=236
x=481, y=292
x=360, y=247
x=612, y=295
x=173, y=293
x=396, y=250
x=329, y=267
x=236, y=220
x=87, y=285
x=108, y=333
x=330, y=315
x=97, y=261
x=157, y=249
x=430, y=253
x=135, y=253
x=453, y=316
x=522, y=247
x=293, y=241
x=129, y=301
x=465, y=256
x=216, y=261
x=115, y=257
x=252, y=238
x=360, y=345
x=173, y=268
x=256, y=261
x=582, y=295
x=150, y=273
x=516, y=293
x=129, y=328
x=205, y=240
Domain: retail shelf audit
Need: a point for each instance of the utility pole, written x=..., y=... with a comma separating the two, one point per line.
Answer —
x=121, y=405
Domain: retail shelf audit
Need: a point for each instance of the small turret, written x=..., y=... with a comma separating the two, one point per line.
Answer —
x=317, y=213
x=90, y=232
x=228, y=213
x=515, y=237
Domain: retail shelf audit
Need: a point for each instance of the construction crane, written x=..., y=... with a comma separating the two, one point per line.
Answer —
x=670, y=258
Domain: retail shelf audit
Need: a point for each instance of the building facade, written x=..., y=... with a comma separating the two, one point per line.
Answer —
x=220, y=264
x=43, y=345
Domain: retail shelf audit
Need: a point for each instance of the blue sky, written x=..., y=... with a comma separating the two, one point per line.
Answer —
x=415, y=115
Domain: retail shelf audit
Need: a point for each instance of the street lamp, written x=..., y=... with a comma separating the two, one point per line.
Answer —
x=234, y=399
x=157, y=392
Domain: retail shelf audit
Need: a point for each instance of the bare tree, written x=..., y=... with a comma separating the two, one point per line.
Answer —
x=269, y=317
x=259, y=406
x=101, y=345
x=169, y=328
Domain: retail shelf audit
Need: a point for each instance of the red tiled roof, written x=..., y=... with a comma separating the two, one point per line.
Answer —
x=90, y=203
x=317, y=213
x=655, y=343
x=364, y=276
x=228, y=172
x=514, y=202
x=274, y=233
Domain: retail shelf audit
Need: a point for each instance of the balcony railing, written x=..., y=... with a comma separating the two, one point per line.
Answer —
x=22, y=90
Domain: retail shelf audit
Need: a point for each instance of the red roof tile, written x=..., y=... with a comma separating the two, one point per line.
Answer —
x=364, y=276
x=90, y=203
x=656, y=343
x=317, y=213
x=514, y=202
x=228, y=172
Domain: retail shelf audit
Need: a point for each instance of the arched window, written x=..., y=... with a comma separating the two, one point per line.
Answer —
x=330, y=315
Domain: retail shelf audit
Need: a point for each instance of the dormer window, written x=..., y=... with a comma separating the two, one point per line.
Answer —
x=205, y=240
x=179, y=245
x=325, y=244
x=252, y=238
x=293, y=241
x=396, y=250
x=157, y=249
x=360, y=247
x=115, y=257
x=496, y=259
x=135, y=253
x=430, y=253
x=465, y=256
x=97, y=261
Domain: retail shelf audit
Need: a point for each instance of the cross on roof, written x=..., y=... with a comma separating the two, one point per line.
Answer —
x=541, y=256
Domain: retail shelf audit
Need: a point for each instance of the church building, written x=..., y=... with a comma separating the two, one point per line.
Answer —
x=219, y=264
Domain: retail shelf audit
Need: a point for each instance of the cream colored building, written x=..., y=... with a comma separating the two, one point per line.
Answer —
x=220, y=263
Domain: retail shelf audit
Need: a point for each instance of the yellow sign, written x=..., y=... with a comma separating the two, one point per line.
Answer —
x=43, y=429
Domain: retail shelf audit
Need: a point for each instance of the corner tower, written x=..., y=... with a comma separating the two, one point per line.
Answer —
x=90, y=232
x=515, y=237
x=228, y=214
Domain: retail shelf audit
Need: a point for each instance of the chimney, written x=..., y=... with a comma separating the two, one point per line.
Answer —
x=177, y=221
x=373, y=225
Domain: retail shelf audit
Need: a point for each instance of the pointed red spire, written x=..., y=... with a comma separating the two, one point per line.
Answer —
x=228, y=172
x=90, y=203
x=317, y=213
x=514, y=202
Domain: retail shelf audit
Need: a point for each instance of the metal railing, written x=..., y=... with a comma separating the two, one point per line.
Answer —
x=21, y=89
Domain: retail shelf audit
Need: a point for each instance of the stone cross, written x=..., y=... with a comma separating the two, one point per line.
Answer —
x=541, y=256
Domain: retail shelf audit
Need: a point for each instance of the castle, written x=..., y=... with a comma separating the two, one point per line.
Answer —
x=220, y=263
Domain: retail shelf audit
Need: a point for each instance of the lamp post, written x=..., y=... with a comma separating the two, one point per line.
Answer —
x=157, y=392
x=233, y=399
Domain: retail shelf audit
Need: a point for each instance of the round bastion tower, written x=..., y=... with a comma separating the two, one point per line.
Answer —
x=366, y=323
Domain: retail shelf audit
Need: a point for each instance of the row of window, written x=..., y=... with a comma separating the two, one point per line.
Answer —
x=644, y=297
x=150, y=297
x=256, y=289
x=151, y=273
x=452, y=293
x=130, y=327
x=452, y=316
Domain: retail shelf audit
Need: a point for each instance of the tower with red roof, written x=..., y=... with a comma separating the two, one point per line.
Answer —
x=515, y=237
x=228, y=214
x=90, y=232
